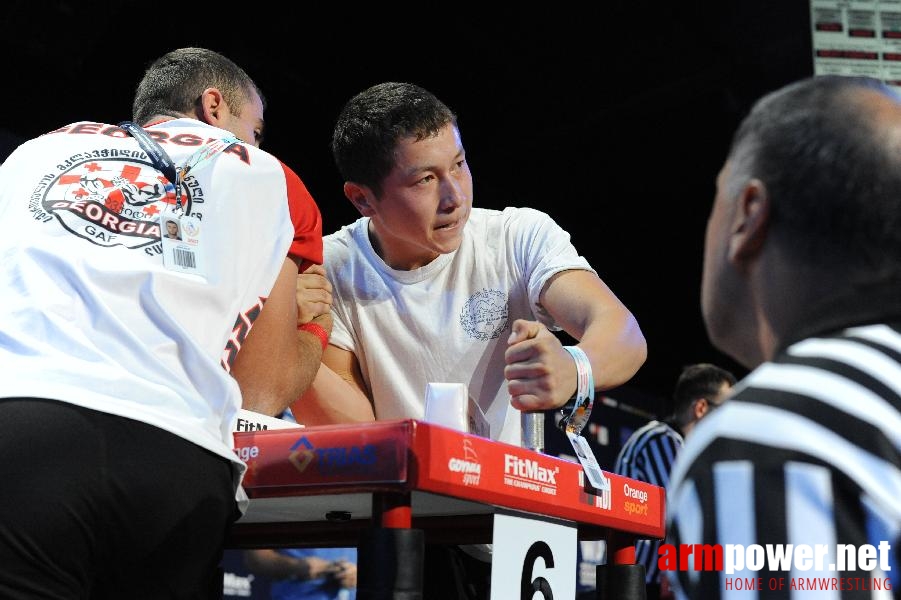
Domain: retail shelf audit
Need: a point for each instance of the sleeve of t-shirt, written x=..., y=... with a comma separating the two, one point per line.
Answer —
x=306, y=219
x=542, y=248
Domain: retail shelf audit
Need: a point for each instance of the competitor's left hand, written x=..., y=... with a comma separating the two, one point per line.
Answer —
x=540, y=374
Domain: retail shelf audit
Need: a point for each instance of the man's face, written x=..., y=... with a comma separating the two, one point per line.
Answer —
x=248, y=127
x=425, y=200
x=722, y=394
x=172, y=228
x=722, y=287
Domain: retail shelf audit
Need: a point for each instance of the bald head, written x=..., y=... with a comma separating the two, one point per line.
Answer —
x=808, y=206
x=827, y=151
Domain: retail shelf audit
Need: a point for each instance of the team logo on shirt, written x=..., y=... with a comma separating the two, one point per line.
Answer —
x=484, y=316
x=111, y=198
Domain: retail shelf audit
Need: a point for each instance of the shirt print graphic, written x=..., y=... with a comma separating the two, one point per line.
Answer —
x=111, y=201
x=485, y=314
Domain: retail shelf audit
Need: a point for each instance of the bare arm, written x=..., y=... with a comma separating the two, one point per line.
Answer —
x=275, y=565
x=541, y=374
x=276, y=362
x=338, y=393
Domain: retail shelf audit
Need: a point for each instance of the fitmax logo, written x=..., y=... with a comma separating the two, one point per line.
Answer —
x=529, y=469
x=529, y=475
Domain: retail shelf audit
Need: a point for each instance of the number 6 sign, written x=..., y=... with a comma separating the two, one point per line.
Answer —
x=533, y=558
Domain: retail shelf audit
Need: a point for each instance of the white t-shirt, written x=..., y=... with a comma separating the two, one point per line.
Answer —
x=447, y=322
x=90, y=314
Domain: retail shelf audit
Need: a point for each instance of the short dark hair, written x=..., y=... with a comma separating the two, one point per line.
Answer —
x=700, y=380
x=174, y=82
x=832, y=171
x=373, y=121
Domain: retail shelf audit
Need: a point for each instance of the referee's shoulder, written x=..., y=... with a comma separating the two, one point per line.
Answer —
x=655, y=430
x=652, y=434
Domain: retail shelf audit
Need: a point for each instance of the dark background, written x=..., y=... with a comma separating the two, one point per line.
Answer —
x=613, y=118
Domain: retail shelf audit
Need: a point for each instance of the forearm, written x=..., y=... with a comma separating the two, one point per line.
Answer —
x=615, y=347
x=606, y=330
x=272, y=564
x=332, y=399
x=276, y=363
x=278, y=382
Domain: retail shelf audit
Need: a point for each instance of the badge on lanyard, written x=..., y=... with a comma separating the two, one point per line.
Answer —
x=180, y=236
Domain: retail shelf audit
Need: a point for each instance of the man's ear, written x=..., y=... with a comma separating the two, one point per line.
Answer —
x=361, y=197
x=211, y=107
x=700, y=408
x=751, y=223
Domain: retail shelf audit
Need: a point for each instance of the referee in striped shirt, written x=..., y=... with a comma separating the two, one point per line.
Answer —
x=802, y=284
x=649, y=453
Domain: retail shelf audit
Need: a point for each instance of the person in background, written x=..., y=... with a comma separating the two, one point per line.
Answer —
x=650, y=452
x=122, y=369
x=430, y=288
x=802, y=285
x=306, y=573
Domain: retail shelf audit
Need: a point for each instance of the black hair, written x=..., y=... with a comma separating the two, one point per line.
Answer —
x=174, y=82
x=832, y=170
x=373, y=121
x=700, y=380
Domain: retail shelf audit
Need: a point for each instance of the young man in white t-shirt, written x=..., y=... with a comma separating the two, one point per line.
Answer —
x=428, y=288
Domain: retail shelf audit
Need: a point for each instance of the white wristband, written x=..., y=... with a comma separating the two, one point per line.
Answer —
x=576, y=420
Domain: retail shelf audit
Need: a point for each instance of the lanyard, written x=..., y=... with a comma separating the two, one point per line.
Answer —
x=166, y=166
x=158, y=156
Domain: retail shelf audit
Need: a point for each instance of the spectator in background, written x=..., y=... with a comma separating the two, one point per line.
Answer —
x=802, y=284
x=306, y=573
x=649, y=453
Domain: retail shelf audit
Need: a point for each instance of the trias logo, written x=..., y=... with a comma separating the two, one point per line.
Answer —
x=331, y=460
x=469, y=466
x=528, y=474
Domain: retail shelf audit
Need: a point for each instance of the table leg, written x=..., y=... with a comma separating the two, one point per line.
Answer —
x=621, y=578
x=390, y=553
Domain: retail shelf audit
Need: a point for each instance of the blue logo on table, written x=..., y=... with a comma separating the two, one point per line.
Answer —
x=340, y=459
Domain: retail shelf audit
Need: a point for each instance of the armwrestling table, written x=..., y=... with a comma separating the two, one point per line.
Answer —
x=373, y=485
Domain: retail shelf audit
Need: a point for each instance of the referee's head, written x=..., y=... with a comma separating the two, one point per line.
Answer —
x=700, y=389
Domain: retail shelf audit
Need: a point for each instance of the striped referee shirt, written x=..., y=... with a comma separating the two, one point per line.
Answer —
x=648, y=455
x=806, y=452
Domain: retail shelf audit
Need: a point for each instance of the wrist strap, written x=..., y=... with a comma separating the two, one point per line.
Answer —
x=317, y=330
x=576, y=420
